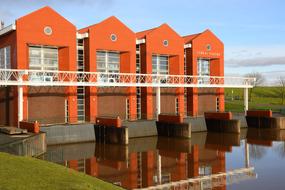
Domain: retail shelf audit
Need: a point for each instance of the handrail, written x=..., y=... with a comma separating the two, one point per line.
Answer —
x=23, y=77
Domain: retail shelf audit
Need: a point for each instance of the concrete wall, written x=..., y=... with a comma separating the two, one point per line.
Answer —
x=143, y=128
x=63, y=134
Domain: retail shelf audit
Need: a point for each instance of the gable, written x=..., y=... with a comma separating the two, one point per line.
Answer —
x=101, y=34
x=155, y=40
x=34, y=27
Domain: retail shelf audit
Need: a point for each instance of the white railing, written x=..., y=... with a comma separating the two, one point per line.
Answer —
x=210, y=181
x=17, y=77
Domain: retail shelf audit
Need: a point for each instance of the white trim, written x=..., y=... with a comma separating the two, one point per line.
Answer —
x=7, y=29
x=82, y=36
x=158, y=102
x=187, y=46
x=140, y=41
x=20, y=103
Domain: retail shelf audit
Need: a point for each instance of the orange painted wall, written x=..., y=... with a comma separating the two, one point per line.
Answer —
x=216, y=54
x=154, y=45
x=99, y=39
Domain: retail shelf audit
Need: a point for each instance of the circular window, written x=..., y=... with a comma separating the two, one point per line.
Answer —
x=48, y=30
x=113, y=37
x=208, y=47
x=165, y=42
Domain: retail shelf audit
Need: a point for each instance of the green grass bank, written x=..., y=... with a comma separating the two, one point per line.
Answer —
x=259, y=98
x=25, y=173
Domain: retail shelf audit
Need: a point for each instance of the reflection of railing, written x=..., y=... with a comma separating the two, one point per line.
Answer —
x=211, y=181
x=33, y=145
x=10, y=77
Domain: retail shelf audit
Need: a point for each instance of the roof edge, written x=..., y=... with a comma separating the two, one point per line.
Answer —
x=7, y=29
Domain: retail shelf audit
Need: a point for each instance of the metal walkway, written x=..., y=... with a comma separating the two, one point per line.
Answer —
x=18, y=77
x=21, y=78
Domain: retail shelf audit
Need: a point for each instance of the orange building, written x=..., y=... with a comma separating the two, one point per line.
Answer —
x=160, y=51
x=110, y=47
x=204, y=56
x=44, y=40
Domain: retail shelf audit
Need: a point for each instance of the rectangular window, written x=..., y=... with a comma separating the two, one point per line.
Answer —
x=5, y=58
x=138, y=102
x=108, y=61
x=81, y=103
x=217, y=104
x=127, y=109
x=138, y=61
x=80, y=55
x=160, y=64
x=43, y=58
x=203, y=67
x=185, y=101
x=176, y=106
x=185, y=63
x=203, y=71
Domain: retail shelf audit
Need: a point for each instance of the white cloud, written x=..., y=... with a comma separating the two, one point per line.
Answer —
x=255, y=62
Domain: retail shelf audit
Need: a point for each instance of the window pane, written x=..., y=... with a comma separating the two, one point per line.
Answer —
x=43, y=58
x=8, y=58
x=35, y=61
x=203, y=67
x=154, y=64
x=2, y=59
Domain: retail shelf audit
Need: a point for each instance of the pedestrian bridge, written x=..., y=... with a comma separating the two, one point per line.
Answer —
x=22, y=77
x=18, y=77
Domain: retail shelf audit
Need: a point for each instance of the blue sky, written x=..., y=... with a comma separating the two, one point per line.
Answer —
x=252, y=30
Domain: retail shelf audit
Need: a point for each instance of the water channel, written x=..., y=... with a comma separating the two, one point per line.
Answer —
x=253, y=159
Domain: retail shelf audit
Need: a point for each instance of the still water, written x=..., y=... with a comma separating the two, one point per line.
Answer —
x=254, y=159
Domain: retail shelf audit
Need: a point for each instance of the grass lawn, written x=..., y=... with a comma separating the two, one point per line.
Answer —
x=26, y=173
x=261, y=98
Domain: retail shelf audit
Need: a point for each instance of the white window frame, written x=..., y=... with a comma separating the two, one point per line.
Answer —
x=176, y=106
x=127, y=108
x=138, y=61
x=139, y=112
x=203, y=79
x=158, y=62
x=106, y=60
x=42, y=64
x=5, y=57
x=217, y=104
x=81, y=106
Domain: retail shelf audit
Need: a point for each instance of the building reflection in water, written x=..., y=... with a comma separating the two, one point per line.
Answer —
x=156, y=162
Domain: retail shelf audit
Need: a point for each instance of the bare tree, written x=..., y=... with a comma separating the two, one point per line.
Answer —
x=257, y=152
x=281, y=82
x=259, y=81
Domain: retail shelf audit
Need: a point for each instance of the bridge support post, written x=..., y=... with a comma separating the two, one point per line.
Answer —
x=246, y=154
x=158, y=167
x=157, y=102
x=245, y=99
x=20, y=104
